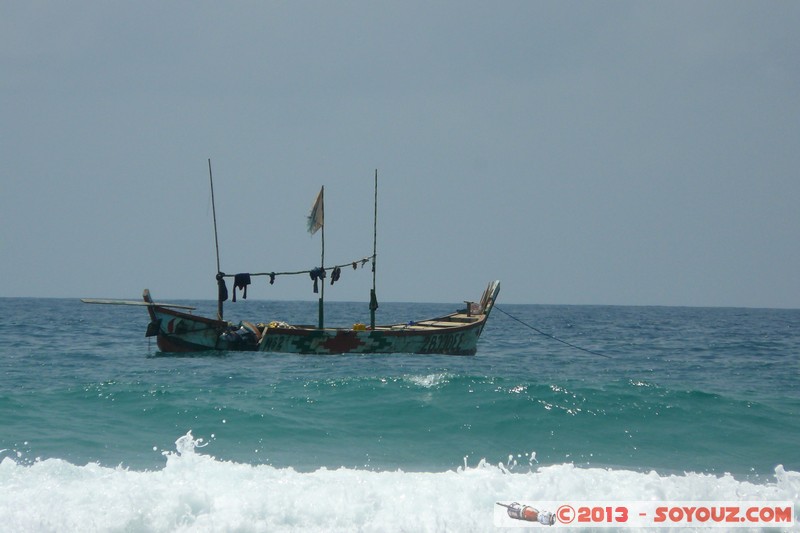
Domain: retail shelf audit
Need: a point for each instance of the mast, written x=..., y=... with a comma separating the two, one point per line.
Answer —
x=316, y=221
x=322, y=264
x=220, y=278
x=373, y=298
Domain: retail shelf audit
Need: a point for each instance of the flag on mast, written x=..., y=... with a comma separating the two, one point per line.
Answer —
x=317, y=216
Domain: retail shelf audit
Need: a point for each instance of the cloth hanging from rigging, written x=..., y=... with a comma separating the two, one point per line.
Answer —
x=241, y=281
x=335, y=274
x=222, y=288
x=373, y=300
x=316, y=275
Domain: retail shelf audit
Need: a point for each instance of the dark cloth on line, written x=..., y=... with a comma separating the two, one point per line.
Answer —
x=241, y=281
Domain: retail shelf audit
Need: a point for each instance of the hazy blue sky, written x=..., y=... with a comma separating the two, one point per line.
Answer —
x=580, y=152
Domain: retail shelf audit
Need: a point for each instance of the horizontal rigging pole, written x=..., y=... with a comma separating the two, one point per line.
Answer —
x=132, y=302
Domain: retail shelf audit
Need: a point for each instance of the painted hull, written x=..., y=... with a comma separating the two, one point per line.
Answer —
x=392, y=339
x=182, y=332
x=454, y=334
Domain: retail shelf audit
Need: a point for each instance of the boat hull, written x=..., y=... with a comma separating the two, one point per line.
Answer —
x=179, y=332
x=462, y=341
x=454, y=334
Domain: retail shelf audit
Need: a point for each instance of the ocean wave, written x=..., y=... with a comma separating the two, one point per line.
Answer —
x=196, y=492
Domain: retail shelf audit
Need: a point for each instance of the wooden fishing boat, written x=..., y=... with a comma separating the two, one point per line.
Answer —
x=453, y=334
x=177, y=330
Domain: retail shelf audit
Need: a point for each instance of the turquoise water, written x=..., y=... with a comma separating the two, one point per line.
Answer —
x=690, y=403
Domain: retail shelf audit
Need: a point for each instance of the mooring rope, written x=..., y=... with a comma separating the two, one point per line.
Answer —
x=540, y=332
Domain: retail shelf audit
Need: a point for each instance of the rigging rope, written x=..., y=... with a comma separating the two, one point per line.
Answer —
x=363, y=261
x=552, y=337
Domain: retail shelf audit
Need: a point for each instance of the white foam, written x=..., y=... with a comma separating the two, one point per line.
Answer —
x=195, y=492
x=430, y=380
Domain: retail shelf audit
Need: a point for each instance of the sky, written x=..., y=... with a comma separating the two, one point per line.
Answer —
x=598, y=153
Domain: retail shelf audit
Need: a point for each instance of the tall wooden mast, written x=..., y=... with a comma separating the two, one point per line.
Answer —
x=220, y=275
x=373, y=298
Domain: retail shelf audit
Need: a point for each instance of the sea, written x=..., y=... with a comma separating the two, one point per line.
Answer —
x=99, y=431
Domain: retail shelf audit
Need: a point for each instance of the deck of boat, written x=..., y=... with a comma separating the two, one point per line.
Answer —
x=445, y=322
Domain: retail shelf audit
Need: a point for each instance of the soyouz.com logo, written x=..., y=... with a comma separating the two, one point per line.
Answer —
x=718, y=514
